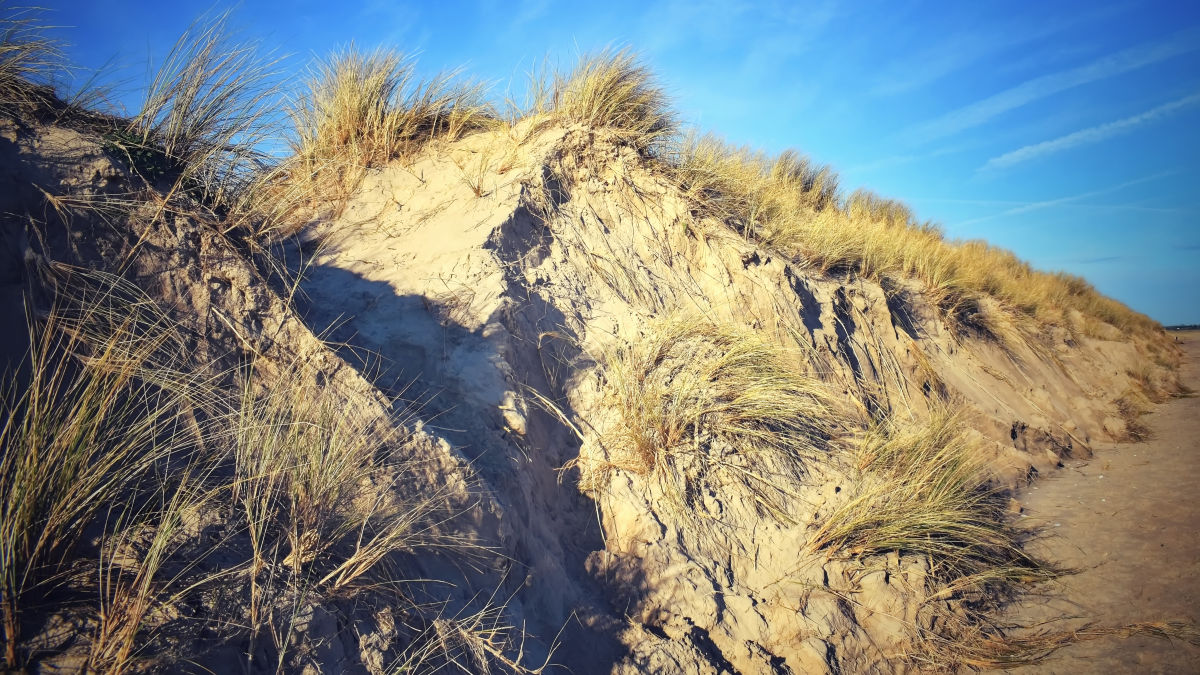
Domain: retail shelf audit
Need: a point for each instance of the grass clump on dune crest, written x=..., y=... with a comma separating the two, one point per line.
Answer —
x=705, y=408
x=208, y=109
x=358, y=110
x=363, y=109
x=755, y=190
x=27, y=56
x=611, y=89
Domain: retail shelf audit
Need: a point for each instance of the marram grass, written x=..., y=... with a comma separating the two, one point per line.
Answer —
x=924, y=488
x=702, y=406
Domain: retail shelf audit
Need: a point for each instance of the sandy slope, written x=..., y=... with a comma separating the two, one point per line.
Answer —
x=471, y=296
x=464, y=302
x=1128, y=517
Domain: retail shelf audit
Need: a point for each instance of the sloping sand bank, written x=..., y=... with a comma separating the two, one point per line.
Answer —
x=1127, y=518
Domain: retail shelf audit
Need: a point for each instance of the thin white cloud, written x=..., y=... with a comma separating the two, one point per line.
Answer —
x=900, y=160
x=1090, y=135
x=981, y=112
x=1137, y=208
x=526, y=12
x=959, y=50
x=1062, y=201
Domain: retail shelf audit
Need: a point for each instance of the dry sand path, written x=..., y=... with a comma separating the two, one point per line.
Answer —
x=1128, y=518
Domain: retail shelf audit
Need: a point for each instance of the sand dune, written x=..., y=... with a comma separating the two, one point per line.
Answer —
x=554, y=392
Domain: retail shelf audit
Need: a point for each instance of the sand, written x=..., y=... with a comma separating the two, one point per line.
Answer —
x=1128, y=519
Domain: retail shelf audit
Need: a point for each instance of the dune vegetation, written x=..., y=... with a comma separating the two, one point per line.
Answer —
x=702, y=406
x=137, y=479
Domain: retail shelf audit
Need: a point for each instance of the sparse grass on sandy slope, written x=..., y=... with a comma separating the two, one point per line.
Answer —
x=922, y=488
x=84, y=437
x=706, y=407
x=113, y=451
x=794, y=206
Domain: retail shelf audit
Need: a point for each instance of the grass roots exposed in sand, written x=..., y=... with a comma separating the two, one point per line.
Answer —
x=708, y=408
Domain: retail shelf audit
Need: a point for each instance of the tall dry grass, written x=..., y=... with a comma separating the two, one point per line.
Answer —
x=28, y=58
x=208, y=113
x=135, y=575
x=356, y=110
x=611, y=89
x=90, y=422
x=113, y=447
x=924, y=488
x=703, y=406
x=365, y=108
x=329, y=496
x=312, y=475
x=791, y=205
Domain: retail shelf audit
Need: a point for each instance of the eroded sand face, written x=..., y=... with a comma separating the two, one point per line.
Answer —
x=471, y=301
x=1128, y=520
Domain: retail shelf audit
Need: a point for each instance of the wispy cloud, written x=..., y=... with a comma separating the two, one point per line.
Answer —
x=981, y=112
x=1090, y=135
x=737, y=27
x=959, y=50
x=1136, y=208
x=405, y=25
x=899, y=160
x=526, y=12
x=1100, y=259
x=1050, y=203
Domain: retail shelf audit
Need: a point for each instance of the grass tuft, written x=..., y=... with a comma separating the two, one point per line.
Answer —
x=359, y=110
x=207, y=113
x=27, y=56
x=705, y=408
x=84, y=432
x=924, y=489
x=610, y=89
x=364, y=109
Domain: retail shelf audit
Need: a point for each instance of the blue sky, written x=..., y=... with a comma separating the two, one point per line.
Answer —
x=1066, y=132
